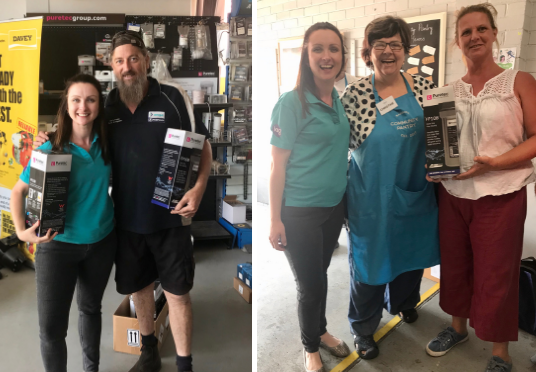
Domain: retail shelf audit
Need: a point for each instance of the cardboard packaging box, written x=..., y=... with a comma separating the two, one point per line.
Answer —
x=233, y=210
x=179, y=167
x=245, y=273
x=441, y=133
x=243, y=289
x=432, y=273
x=48, y=191
x=127, y=336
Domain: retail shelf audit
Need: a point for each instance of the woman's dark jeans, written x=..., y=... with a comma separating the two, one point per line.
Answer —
x=59, y=268
x=312, y=233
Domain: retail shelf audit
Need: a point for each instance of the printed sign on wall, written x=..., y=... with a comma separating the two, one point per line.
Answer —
x=427, y=47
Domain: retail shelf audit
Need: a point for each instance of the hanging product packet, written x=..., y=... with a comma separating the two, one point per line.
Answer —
x=103, y=52
x=159, y=31
x=176, y=60
x=184, y=32
x=147, y=30
x=201, y=43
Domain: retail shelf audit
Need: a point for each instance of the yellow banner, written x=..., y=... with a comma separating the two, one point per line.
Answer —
x=20, y=50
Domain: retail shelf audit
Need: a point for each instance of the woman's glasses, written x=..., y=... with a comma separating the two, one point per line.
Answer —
x=394, y=45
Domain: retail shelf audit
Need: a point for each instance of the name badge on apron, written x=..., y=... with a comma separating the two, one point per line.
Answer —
x=386, y=105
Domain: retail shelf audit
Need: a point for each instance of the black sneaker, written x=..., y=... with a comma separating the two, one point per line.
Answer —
x=445, y=341
x=149, y=360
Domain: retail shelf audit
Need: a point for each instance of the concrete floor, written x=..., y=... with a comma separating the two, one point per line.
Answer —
x=278, y=336
x=222, y=321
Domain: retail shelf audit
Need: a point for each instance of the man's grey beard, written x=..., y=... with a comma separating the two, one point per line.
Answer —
x=132, y=94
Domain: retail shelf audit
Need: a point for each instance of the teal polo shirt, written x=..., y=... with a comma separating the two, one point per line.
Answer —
x=316, y=169
x=90, y=212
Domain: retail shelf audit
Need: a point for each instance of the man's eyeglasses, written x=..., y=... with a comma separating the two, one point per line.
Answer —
x=394, y=45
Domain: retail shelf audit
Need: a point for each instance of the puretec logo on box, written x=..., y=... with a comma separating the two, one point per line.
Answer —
x=22, y=39
x=159, y=116
x=58, y=163
x=194, y=141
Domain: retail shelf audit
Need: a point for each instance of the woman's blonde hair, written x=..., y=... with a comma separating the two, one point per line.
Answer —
x=485, y=8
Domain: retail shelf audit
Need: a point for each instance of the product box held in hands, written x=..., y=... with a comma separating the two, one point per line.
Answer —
x=441, y=133
x=179, y=167
x=48, y=191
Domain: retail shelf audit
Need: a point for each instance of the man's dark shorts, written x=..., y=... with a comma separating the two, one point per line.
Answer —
x=143, y=258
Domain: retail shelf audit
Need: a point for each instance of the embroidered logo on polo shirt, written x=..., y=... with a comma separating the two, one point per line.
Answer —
x=159, y=116
x=113, y=121
x=277, y=130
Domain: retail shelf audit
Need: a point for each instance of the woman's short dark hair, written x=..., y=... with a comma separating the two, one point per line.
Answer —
x=60, y=139
x=384, y=27
x=305, y=79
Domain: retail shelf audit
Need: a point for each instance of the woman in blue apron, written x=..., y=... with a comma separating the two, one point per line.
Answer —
x=392, y=210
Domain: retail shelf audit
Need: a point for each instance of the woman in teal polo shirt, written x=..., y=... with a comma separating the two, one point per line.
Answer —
x=310, y=135
x=83, y=255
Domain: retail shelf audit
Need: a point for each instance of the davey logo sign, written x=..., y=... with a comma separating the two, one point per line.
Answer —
x=22, y=39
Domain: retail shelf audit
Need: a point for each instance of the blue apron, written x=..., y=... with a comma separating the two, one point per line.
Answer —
x=392, y=209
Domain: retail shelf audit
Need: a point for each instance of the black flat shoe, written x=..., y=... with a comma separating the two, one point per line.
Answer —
x=366, y=347
x=409, y=316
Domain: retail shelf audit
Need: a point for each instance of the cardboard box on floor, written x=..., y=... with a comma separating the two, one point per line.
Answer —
x=243, y=289
x=233, y=210
x=127, y=336
x=432, y=273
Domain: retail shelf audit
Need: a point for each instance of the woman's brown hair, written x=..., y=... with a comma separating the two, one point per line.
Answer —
x=387, y=26
x=60, y=139
x=305, y=79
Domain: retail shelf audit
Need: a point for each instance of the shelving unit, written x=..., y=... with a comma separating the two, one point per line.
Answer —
x=54, y=71
x=238, y=125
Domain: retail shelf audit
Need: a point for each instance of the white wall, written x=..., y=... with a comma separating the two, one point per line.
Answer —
x=278, y=19
x=130, y=7
x=12, y=9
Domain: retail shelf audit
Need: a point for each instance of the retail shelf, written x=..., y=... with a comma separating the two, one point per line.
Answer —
x=213, y=107
x=210, y=230
x=221, y=144
x=219, y=176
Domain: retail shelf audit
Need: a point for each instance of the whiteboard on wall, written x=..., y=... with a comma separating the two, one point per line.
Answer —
x=428, y=47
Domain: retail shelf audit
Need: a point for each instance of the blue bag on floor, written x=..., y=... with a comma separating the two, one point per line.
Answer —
x=527, y=295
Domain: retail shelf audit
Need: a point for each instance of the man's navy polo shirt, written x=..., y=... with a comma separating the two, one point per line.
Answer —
x=136, y=144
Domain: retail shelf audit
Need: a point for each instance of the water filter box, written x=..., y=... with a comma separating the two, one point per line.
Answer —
x=48, y=191
x=441, y=133
x=179, y=167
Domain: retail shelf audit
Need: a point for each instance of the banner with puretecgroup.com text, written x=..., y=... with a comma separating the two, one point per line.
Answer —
x=20, y=50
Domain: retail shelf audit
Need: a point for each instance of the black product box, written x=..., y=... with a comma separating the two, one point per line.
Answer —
x=48, y=191
x=441, y=133
x=179, y=167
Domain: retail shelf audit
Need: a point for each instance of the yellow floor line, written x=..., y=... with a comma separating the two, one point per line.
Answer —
x=352, y=358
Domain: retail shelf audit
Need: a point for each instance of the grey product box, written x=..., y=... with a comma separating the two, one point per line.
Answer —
x=441, y=133
x=179, y=167
x=48, y=191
